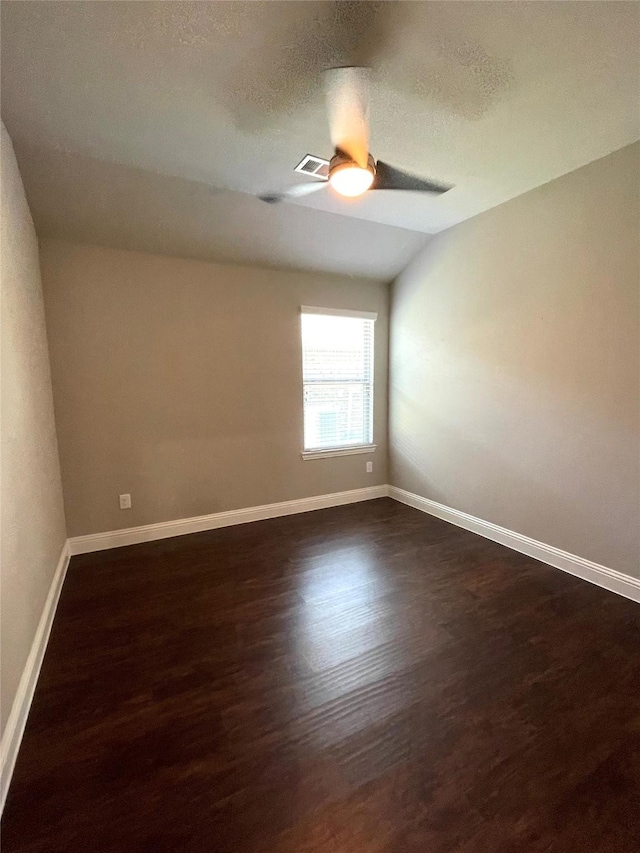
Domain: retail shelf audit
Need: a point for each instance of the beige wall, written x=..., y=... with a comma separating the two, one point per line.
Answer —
x=32, y=516
x=515, y=365
x=179, y=382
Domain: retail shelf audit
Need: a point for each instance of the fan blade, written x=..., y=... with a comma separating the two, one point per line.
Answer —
x=389, y=178
x=295, y=191
x=348, y=106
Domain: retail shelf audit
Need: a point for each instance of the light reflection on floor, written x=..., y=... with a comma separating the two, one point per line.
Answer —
x=345, y=640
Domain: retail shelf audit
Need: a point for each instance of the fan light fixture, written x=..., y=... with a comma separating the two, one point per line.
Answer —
x=351, y=180
x=352, y=170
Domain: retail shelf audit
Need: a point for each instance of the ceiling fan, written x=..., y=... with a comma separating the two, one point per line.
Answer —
x=352, y=170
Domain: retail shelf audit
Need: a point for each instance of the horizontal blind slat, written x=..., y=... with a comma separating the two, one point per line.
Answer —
x=338, y=380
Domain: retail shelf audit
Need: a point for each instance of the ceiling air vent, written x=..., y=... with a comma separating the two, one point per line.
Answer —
x=316, y=166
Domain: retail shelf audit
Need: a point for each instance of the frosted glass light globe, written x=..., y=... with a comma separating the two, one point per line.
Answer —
x=350, y=180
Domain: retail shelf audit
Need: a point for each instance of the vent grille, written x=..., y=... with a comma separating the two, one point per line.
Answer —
x=310, y=165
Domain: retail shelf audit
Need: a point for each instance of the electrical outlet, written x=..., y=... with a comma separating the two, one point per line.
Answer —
x=369, y=467
x=125, y=501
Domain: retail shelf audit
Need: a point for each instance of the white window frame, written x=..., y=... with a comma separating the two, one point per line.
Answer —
x=354, y=449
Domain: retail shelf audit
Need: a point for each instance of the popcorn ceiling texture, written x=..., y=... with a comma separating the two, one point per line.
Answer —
x=32, y=514
x=496, y=98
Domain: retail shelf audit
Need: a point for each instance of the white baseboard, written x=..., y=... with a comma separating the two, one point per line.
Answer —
x=17, y=720
x=603, y=576
x=181, y=526
x=610, y=579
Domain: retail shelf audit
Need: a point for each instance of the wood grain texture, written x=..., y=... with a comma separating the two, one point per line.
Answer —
x=364, y=678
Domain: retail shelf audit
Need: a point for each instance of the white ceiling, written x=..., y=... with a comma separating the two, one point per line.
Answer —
x=188, y=99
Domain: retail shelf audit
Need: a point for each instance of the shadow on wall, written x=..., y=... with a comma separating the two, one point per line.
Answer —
x=527, y=452
x=514, y=338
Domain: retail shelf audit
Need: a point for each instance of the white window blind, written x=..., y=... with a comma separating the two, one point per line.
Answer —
x=337, y=369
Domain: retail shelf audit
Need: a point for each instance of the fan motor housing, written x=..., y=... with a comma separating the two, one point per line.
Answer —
x=340, y=159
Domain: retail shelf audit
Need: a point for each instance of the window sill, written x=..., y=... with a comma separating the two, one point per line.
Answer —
x=338, y=451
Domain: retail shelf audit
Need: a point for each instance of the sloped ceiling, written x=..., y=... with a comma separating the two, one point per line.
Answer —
x=94, y=201
x=152, y=124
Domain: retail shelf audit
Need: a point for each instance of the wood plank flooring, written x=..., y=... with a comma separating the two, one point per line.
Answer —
x=364, y=679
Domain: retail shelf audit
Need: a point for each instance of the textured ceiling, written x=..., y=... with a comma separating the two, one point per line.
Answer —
x=80, y=198
x=496, y=98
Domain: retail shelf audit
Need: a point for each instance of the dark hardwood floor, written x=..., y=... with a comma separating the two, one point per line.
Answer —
x=364, y=679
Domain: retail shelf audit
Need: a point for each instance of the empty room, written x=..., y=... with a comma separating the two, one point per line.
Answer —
x=320, y=427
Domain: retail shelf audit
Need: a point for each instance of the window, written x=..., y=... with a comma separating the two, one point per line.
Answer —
x=337, y=374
